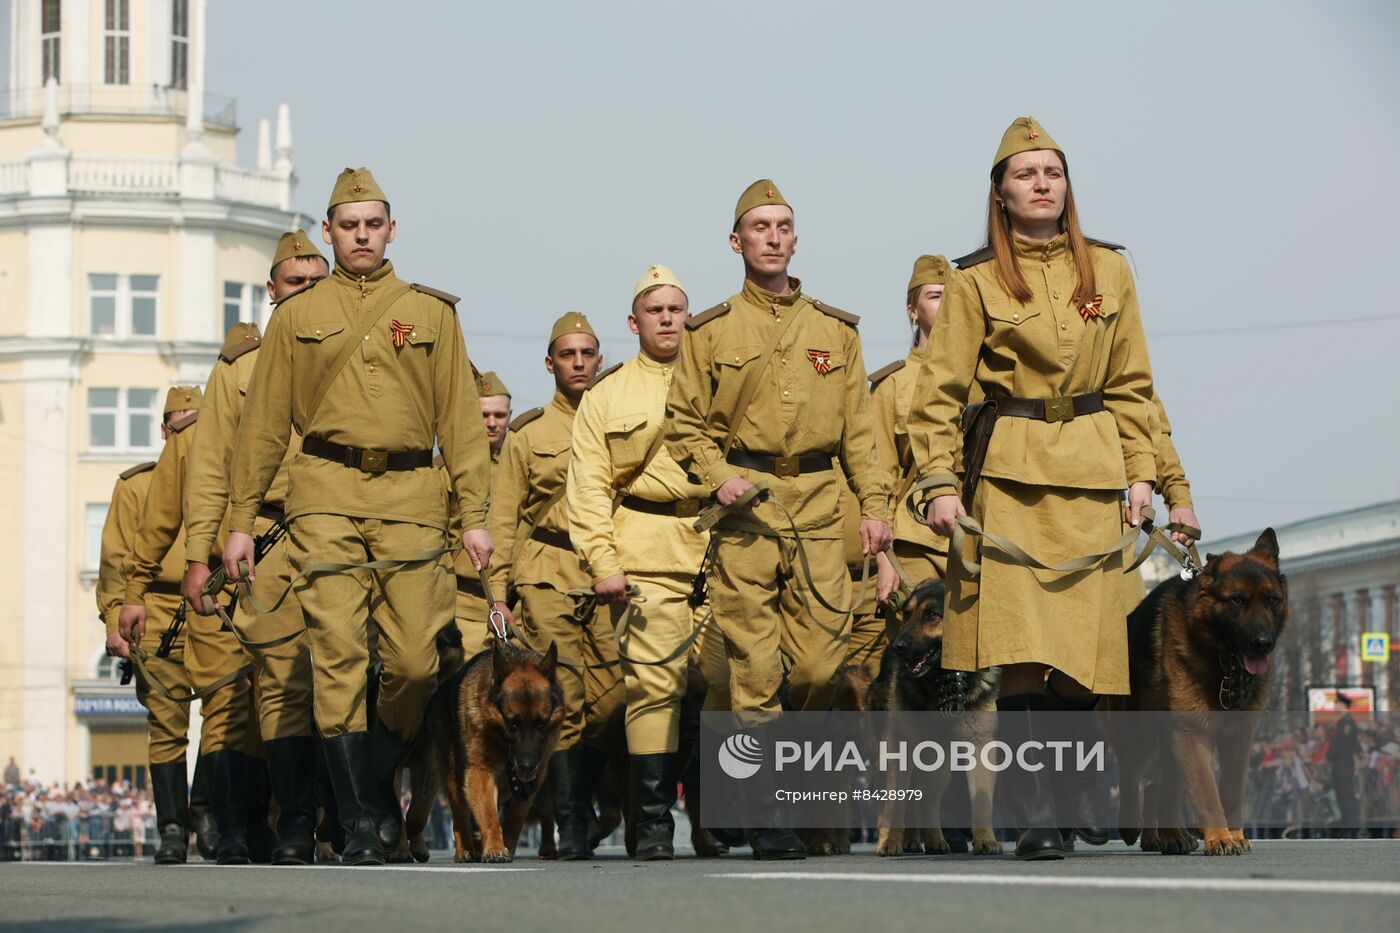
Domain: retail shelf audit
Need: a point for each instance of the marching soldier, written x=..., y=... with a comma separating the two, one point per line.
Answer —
x=631, y=513
x=369, y=372
x=530, y=524
x=1044, y=322
x=167, y=721
x=213, y=659
x=771, y=387
x=920, y=553
x=276, y=643
x=472, y=612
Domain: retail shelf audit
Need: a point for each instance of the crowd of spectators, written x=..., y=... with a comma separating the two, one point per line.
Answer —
x=88, y=820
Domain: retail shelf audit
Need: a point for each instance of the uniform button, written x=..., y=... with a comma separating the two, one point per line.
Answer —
x=413, y=333
x=366, y=338
x=736, y=359
x=374, y=369
x=1056, y=296
x=1015, y=317
x=318, y=332
x=785, y=392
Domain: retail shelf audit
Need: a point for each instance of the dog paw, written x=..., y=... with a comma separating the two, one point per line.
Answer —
x=890, y=847
x=1237, y=835
x=990, y=846
x=1175, y=842
x=1222, y=842
x=400, y=855
x=461, y=857
x=496, y=856
x=1151, y=842
x=935, y=844
x=419, y=853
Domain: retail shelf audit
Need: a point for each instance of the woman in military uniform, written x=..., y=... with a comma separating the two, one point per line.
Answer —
x=1045, y=322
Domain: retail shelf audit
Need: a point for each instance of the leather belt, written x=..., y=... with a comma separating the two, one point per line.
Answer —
x=367, y=461
x=272, y=513
x=470, y=585
x=1065, y=408
x=552, y=538
x=164, y=588
x=780, y=466
x=683, y=508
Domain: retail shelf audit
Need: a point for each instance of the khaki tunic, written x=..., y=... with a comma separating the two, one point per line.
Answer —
x=168, y=722
x=387, y=397
x=210, y=653
x=534, y=466
x=891, y=399
x=811, y=398
x=283, y=671
x=1055, y=488
x=619, y=420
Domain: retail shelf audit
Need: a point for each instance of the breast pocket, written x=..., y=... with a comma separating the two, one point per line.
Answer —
x=421, y=337
x=730, y=363
x=549, y=463
x=627, y=440
x=1012, y=325
x=319, y=331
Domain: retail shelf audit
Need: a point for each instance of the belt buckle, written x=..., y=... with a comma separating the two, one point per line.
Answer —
x=374, y=461
x=687, y=508
x=786, y=467
x=1059, y=409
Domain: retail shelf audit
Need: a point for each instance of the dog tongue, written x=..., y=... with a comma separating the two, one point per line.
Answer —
x=1256, y=666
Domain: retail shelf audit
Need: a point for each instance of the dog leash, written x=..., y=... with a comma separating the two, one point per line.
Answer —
x=585, y=603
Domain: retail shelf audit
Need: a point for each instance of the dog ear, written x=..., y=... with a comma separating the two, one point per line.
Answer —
x=1266, y=546
x=550, y=660
x=500, y=665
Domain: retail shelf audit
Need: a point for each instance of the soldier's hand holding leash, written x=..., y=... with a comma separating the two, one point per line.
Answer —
x=239, y=549
x=733, y=489
x=943, y=514
x=875, y=536
x=117, y=645
x=1139, y=497
x=1185, y=517
x=196, y=575
x=612, y=590
x=479, y=547
x=131, y=624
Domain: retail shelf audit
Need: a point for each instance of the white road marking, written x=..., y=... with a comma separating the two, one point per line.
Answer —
x=319, y=866
x=1232, y=885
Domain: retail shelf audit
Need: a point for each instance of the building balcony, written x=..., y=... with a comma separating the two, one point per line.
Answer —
x=117, y=100
x=135, y=176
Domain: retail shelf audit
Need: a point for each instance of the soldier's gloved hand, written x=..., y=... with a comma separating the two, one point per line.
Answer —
x=117, y=645
x=734, y=489
x=874, y=536
x=1183, y=517
x=479, y=547
x=1139, y=497
x=612, y=590
x=239, y=549
x=943, y=514
x=886, y=579
x=196, y=573
x=132, y=623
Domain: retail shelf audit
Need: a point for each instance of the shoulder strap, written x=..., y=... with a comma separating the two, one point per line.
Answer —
x=830, y=311
x=974, y=258
x=447, y=297
x=185, y=422
x=525, y=418
x=752, y=374
x=880, y=374
x=607, y=372
x=397, y=291
x=138, y=469
x=703, y=317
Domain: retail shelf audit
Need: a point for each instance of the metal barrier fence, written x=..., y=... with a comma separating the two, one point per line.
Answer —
x=61, y=838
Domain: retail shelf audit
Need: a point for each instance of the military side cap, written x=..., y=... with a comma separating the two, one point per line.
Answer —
x=182, y=398
x=571, y=323
x=489, y=384
x=356, y=184
x=758, y=194
x=293, y=246
x=1024, y=135
x=655, y=277
x=241, y=338
x=929, y=270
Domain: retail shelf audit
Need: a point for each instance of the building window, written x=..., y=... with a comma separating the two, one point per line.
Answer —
x=123, y=419
x=94, y=517
x=244, y=302
x=180, y=45
x=123, y=306
x=117, y=36
x=50, y=36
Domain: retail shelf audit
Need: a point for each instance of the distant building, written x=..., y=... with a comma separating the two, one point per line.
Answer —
x=1343, y=570
x=129, y=241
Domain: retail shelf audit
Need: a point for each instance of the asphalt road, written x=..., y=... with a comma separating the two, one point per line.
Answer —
x=1308, y=885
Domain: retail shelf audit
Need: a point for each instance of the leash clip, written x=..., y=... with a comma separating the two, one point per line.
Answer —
x=497, y=620
x=1189, y=569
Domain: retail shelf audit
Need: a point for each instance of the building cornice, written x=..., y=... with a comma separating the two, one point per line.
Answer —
x=159, y=213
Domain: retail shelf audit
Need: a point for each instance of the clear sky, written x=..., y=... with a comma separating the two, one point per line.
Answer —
x=540, y=155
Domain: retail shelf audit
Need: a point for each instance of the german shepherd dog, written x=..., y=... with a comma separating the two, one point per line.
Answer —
x=912, y=678
x=494, y=725
x=1198, y=647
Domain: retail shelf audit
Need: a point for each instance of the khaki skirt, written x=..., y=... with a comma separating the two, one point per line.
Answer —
x=1074, y=622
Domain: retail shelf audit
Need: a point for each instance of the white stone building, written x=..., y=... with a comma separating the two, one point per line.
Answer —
x=130, y=240
x=1343, y=570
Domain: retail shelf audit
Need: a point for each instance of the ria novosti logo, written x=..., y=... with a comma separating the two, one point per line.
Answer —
x=740, y=756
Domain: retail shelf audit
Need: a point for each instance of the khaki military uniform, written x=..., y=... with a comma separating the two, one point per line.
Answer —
x=811, y=401
x=283, y=671
x=868, y=629
x=922, y=553
x=534, y=466
x=168, y=722
x=1053, y=487
x=403, y=389
x=618, y=424
x=210, y=653
x=473, y=613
